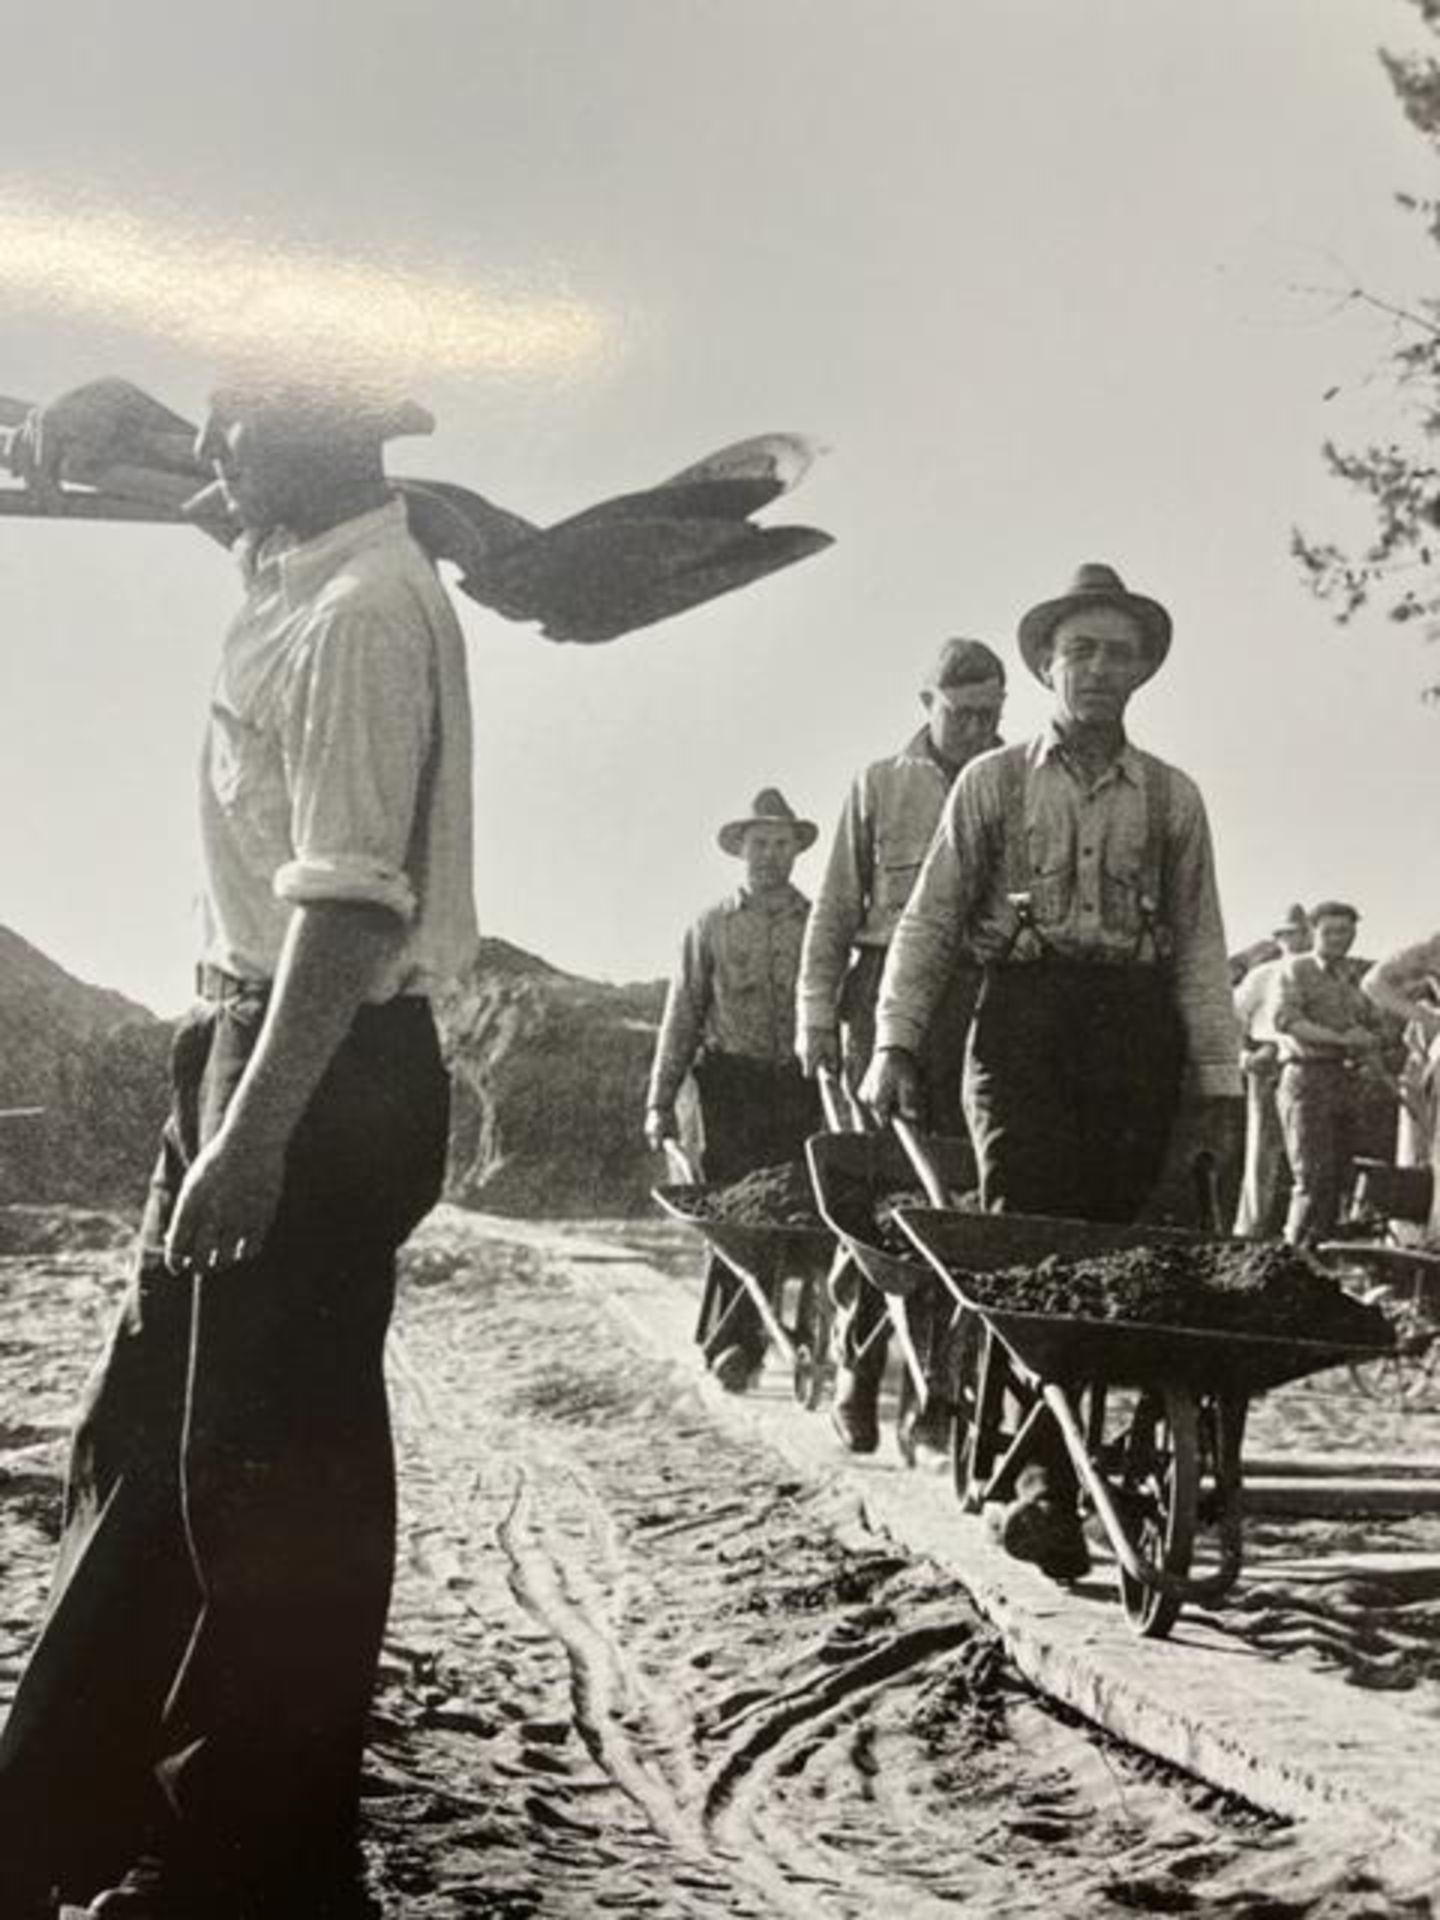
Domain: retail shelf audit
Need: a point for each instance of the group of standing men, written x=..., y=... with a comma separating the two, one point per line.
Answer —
x=1031, y=932
x=1338, y=1061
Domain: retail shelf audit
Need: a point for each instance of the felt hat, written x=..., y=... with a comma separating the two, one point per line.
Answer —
x=1296, y=920
x=770, y=809
x=1095, y=585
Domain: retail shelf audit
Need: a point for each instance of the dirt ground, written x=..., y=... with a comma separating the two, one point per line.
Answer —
x=637, y=1666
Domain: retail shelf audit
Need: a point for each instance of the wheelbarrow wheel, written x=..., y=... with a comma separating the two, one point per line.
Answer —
x=1402, y=1375
x=1159, y=1498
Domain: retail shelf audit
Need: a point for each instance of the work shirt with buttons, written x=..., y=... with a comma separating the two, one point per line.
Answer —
x=1326, y=992
x=337, y=761
x=884, y=832
x=1086, y=849
x=734, y=990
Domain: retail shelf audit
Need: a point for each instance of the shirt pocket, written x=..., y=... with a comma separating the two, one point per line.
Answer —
x=1052, y=876
x=741, y=970
x=1122, y=897
x=899, y=855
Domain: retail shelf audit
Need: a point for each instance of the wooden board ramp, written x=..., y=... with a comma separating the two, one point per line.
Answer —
x=1302, y=1495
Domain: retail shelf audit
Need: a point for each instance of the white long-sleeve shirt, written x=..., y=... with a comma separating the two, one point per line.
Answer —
x=337, y=760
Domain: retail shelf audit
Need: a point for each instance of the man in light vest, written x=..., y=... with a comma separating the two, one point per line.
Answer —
x=1078, y=870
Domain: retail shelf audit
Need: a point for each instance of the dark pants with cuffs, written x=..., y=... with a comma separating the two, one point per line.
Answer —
x=864, y=1337
x=756, y=1113
x=1072, y=1084
x=202, y=1681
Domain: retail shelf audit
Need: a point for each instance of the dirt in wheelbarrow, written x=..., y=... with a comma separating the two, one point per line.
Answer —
x=779, y=1196
x=1219, y=1286
x=636, y=1667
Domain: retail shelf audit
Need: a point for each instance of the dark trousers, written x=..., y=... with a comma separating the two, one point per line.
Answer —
x=1072, y=1083
x=942, y=1056
x=755, y=1113
x=203, y=1676
x=864, y=1335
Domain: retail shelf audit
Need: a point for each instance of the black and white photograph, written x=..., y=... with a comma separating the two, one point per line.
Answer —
x=719, y=997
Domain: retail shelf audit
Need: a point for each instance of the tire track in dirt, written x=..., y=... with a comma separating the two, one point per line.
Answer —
x=635, y=1668
x=778, y=1713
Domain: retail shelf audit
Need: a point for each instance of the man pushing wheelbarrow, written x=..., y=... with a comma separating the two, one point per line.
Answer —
x=1078, y=869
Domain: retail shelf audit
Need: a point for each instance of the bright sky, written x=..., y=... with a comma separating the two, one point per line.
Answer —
x=1028, y=267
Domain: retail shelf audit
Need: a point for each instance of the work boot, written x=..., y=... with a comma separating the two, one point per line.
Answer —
x=854, y=1411
x=736, y=1368
x=1041, y=1526
x=152, y=1891
x=926, y=1430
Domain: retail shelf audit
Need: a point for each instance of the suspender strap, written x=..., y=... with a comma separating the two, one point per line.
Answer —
x=1154, y=880
x=1015, y=764
x=1026, y=942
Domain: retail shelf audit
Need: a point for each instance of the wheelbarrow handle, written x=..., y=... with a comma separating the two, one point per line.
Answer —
x=843, y=1110
x=918, y=1155
x=682, y=1168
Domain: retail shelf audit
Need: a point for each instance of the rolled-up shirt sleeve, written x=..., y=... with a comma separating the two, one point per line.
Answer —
x=359, y=724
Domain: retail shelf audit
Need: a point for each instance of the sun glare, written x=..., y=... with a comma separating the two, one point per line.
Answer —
x=249, y=294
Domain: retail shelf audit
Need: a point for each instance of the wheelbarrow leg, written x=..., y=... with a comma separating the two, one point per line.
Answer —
x=981, y=1437
x=814, y=1318
x=1151, y=1518
x=914, y=1395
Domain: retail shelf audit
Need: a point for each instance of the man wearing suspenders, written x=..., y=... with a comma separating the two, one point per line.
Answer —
x=1078, y=869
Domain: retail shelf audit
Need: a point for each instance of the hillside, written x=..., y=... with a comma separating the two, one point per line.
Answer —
x=95, y=1062
x=550, y=1072
x=549, y=1075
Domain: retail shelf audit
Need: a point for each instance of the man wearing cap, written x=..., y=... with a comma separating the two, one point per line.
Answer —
x=729, y=1021
x=1079, y=870
x=881, y=839
x=1329, y=1036
x=197, y=1701
x=1260, y=1213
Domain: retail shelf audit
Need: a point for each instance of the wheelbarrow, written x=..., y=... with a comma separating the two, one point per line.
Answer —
x=786, y=1272
x=1152, y=1417
x=851, y=1173
x=1407, y=1280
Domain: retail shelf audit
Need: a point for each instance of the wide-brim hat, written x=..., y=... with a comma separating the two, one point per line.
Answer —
x=1296, y=921
x=770, y=809
x=1095, y=585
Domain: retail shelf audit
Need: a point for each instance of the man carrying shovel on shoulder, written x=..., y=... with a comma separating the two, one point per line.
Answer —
x=1079, y=870
x=185, y=1742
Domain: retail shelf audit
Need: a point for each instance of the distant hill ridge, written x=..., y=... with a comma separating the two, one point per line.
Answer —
x=549, y=1069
